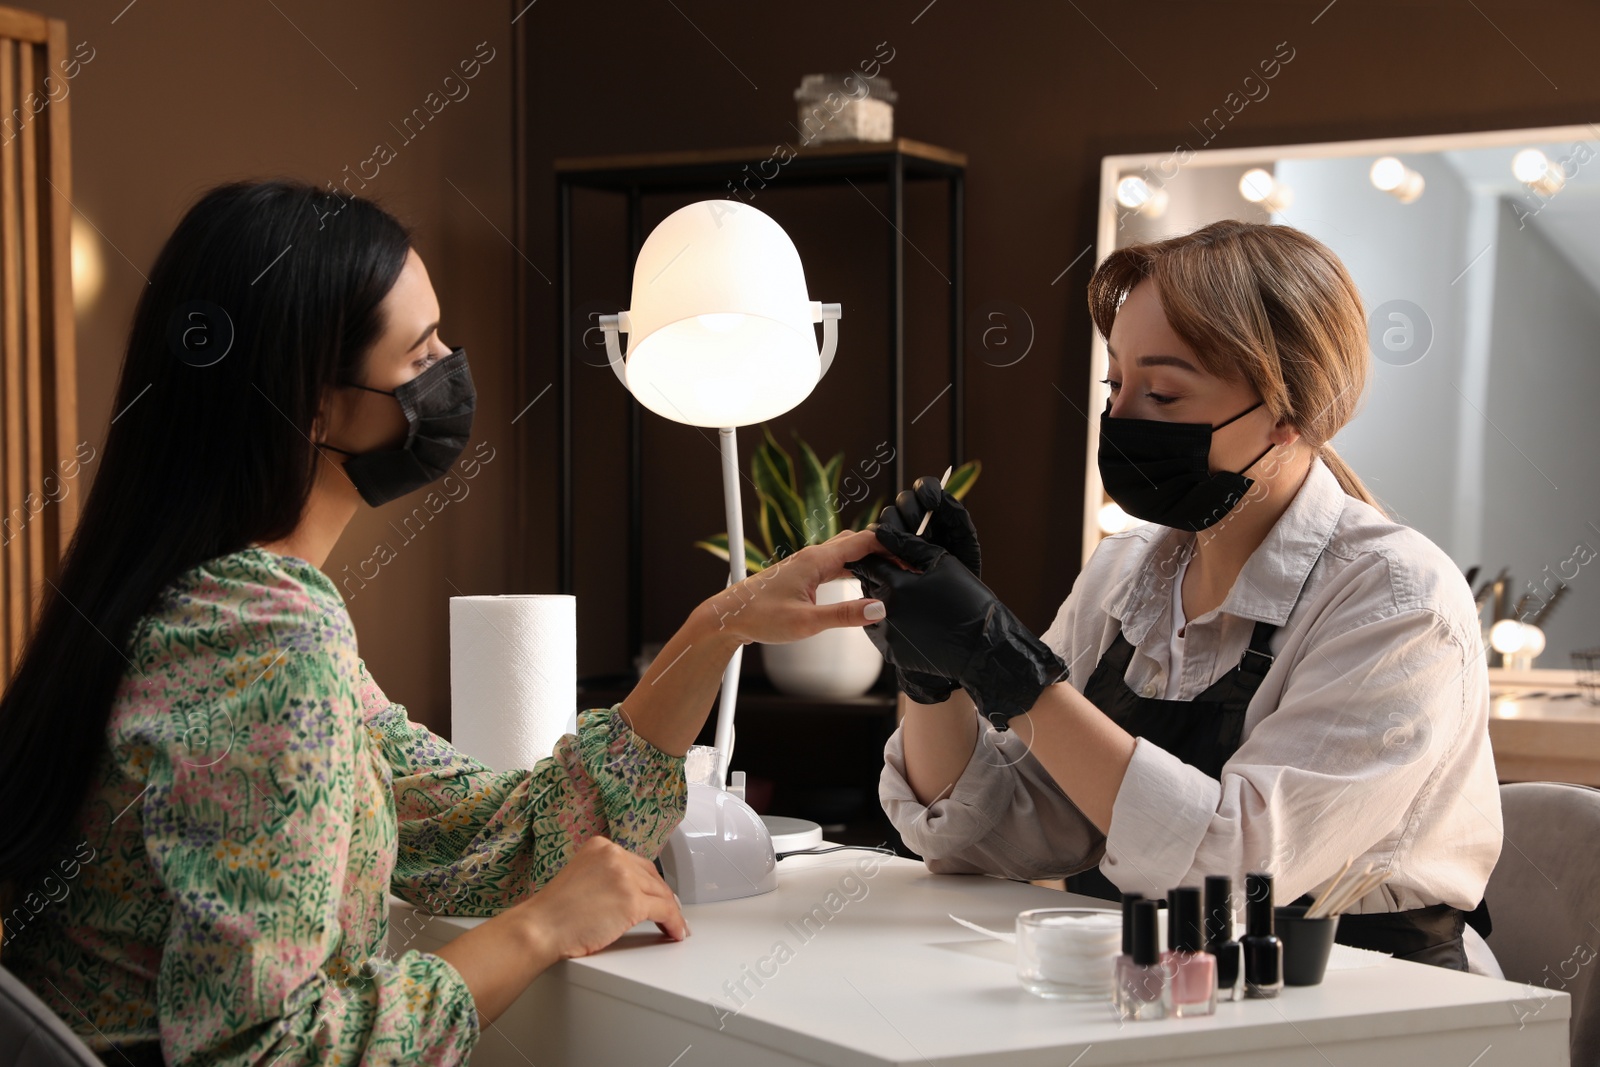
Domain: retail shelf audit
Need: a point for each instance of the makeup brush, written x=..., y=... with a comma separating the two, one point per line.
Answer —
x=923, y=525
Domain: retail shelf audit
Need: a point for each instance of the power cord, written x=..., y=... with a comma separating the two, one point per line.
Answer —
x=839, y=848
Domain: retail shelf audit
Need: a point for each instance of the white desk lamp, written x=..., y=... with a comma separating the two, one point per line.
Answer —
x=720, y=335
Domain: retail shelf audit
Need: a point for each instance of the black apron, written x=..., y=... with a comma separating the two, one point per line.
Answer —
x=1205, y=732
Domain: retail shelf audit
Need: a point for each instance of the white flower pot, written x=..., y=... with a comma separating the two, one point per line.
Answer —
x=836, y=663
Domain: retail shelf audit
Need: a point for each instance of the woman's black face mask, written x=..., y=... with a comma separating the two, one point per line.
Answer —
x=1161, y=471
x=438, y=406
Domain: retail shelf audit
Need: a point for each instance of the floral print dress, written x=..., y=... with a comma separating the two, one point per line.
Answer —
x=224, y=888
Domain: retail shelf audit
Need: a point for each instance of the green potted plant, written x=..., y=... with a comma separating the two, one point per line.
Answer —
x=802, y=502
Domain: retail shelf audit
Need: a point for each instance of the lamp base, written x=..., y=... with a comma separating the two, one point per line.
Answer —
x=792, y=835
x=720, y=851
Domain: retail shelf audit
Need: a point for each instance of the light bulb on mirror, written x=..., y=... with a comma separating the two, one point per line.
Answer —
x=1387, y=174
x=1134, y=192
x=1505, y=636
x=1532, y=168
x=1260, y=187
x=1529, y=165
x=1255, y=185
x=1519, y=642
x=1391, y=176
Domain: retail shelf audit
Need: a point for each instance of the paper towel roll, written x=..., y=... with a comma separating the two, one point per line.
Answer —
x=513, y=676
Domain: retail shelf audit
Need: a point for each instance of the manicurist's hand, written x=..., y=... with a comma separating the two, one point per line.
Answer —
x=949, y=527
x=946, y=624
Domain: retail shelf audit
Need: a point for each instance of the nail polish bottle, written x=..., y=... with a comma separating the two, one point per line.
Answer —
x=1141, y=993
x=1191, y=971
x=1219, y=936
x=1263, y=952
x=1125, y=960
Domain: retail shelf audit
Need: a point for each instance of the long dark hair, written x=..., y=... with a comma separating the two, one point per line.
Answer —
x=204, y=456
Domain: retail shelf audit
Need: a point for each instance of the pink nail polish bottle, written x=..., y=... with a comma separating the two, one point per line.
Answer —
x=1192, y=983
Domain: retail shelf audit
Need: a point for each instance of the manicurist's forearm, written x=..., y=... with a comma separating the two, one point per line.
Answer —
x=673, y=698
x=939, y=739
x=1084, y=751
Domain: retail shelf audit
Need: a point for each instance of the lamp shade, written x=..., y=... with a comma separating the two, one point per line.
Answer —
x=720, y=332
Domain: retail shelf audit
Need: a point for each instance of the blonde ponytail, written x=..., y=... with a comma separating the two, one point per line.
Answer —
x=1348, y=481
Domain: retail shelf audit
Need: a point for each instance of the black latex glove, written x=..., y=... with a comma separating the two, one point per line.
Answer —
x=945, y=623
x=950, y=527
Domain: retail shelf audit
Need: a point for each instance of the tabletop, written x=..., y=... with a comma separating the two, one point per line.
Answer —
x=855, y=960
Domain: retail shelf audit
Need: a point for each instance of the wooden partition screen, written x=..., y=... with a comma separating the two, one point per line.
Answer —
x=39, y=452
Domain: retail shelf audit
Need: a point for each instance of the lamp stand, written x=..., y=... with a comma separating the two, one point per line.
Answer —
x=736, y=574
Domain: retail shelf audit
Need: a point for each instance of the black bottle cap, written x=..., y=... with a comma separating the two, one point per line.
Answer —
x=1258, y=906
x=1146, y=943
x=1219, y=909
x=1183, y=919
x=1127, y=921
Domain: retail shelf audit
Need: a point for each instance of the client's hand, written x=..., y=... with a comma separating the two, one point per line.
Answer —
x=601, y=894
x=943, y=621
x=779, y=604
x=951, y=528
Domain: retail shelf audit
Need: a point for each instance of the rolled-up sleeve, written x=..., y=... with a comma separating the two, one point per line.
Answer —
x=1005, y=814
x=1353, y=751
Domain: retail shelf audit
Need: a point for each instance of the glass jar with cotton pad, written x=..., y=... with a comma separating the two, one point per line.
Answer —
x=1068, y=953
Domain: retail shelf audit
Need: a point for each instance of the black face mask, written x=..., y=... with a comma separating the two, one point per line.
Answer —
x=438, y=406
x=1161, y=471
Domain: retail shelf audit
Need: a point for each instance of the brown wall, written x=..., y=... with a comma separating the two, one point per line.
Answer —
x=1035, y=94
x=183, y=94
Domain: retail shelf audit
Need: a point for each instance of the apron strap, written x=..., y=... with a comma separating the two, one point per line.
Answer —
x=1258, y=657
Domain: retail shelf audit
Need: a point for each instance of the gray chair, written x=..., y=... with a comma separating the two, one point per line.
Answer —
x=1544, y=902
x=31, y=1035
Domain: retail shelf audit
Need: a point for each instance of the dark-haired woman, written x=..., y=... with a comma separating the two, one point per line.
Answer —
x=207, y=796
x=1267, y=674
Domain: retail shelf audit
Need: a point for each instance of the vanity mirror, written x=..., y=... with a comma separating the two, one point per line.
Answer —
x=1478, y=260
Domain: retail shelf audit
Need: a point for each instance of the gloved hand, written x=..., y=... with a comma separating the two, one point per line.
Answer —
x=945, y=623
x=950, y=527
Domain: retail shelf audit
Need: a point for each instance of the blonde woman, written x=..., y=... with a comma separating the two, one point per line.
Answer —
x=1269, y=674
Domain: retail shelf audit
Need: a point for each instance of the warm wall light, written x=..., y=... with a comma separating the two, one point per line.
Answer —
x=88, y=265
x=1260, y=187
x=1134, y=192
x=1391, y=176
x=1532, y=168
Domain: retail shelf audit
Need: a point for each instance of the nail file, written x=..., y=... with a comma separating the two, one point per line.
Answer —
x=923, y=525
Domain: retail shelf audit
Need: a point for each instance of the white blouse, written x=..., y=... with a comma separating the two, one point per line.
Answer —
x=1368, y=736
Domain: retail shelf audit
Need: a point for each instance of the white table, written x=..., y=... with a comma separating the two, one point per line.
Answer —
x=882, y=976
